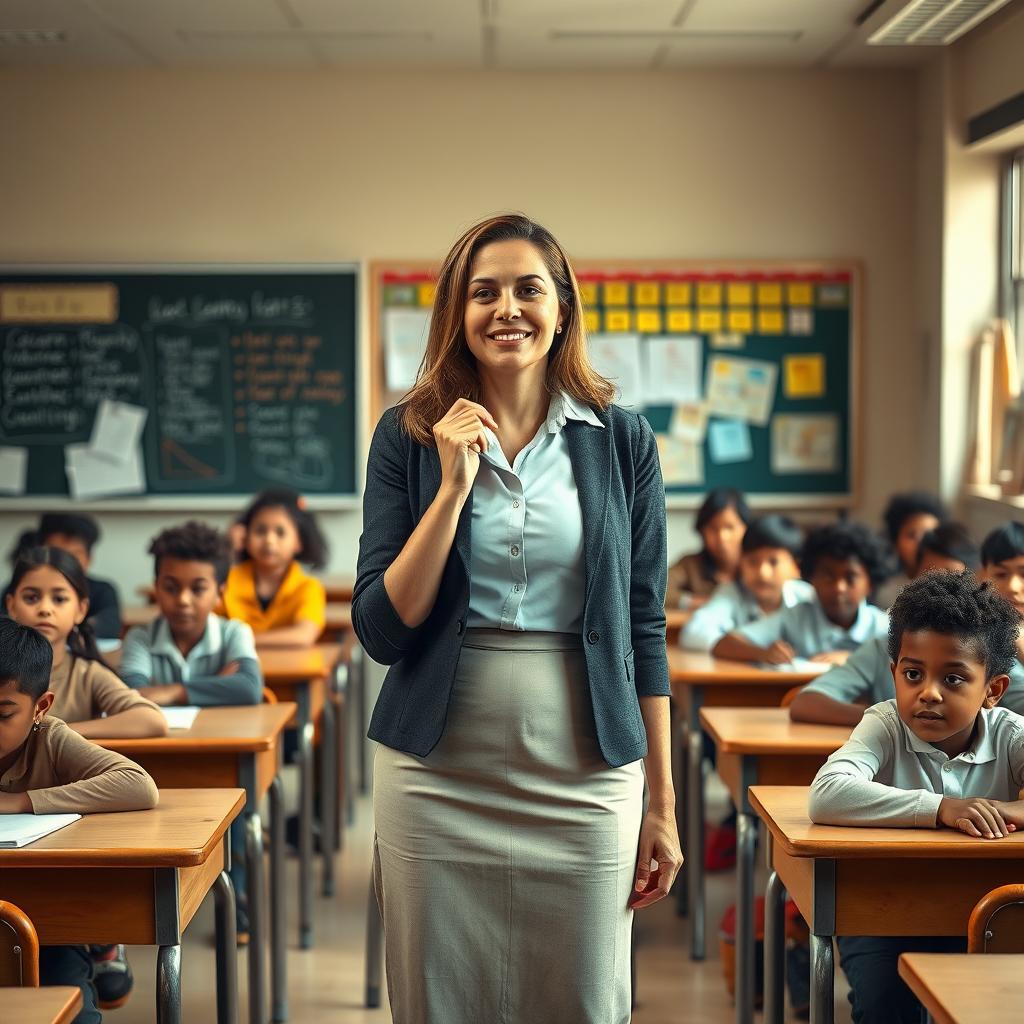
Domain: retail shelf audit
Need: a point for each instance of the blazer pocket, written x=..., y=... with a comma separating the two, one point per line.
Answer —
x=630, y=667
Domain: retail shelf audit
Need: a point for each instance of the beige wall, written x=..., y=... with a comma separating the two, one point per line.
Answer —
x=993, y=61
x=293, y=166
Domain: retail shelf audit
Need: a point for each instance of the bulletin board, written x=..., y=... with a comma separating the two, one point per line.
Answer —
x=748, y=372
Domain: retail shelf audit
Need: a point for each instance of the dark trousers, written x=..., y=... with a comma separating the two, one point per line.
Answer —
x=878, y=994
x=71, y=965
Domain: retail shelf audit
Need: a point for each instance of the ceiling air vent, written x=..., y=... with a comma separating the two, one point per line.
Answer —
x=933, y=22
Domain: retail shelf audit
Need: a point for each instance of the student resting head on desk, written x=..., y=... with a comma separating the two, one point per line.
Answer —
x=268, y=589
x=77, y=535
x=942, y=754
x=840, y=696
x=49, y=592
x=189, y=655
x=908, y=517
x=769, y=578
x=843, y=562
x=47, y=768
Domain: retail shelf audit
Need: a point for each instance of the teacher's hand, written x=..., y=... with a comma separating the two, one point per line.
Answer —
x=659, y=841
x=460, y=440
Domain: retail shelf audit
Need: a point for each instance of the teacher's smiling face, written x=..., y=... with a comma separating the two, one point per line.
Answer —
x=512, y=310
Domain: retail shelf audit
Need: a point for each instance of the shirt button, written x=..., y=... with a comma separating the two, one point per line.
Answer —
x=515, y=550
x=593, y=636
x=947, y=767
x=515, y=504
x=458, y=628
x=515, y=589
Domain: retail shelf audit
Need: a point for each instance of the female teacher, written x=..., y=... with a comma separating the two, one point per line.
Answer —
x=512, y=573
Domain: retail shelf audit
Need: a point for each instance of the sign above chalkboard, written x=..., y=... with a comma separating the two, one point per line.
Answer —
x=243, y=378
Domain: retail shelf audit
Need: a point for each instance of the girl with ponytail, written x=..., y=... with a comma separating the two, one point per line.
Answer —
x=49, y=592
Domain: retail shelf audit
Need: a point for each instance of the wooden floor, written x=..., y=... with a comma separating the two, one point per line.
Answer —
x=326, y=983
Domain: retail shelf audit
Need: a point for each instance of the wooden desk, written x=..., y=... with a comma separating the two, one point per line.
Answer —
x=301, y=676
x=58, y=1004
x=338, y=617
x=699, y=680
x=236, y=747
x=675, y=619
x=761, y=746
x=136, y=877
x=966, y=988
x=867, y=881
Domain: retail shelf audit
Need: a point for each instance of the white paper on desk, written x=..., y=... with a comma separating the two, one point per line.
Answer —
x=673, y=369
x=91, y=475
x=617, y=357
x=180, y=717
x=108, y=644
x=118, y=430
x=13, y=468
x=729, y=441
x=17, y=830
x=806, y=666
x=741, y=389
x=405, y=341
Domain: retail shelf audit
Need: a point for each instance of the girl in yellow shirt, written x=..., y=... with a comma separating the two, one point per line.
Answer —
x=267, y=588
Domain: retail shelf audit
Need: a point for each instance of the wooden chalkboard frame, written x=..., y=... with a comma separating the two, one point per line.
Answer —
x=200, y=501
x=413, y=270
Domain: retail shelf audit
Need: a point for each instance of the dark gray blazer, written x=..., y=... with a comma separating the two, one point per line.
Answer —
x=622, y=500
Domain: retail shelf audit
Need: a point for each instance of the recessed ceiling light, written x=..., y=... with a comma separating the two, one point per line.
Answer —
x=32, y=37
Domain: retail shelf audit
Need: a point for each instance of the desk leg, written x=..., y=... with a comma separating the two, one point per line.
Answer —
x=168, y=985
x=374, y=950
x=679, y=776
x=278, y=962
x=774, y=950
x=328, y=793
x=305, y=820
x=257, y=931
x=746, y=839
x=822, y=979
x=357, y=668
x=342, y=746
x=227, y=956
x=695, y=835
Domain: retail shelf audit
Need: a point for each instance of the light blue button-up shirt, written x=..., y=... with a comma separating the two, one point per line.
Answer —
x=527, y=570
x=809, y=631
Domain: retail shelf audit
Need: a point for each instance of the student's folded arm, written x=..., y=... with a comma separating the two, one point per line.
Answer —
x=92, y=780
x=139, y=722
x=833, y=697
x=709, y=623
x=649, y=568
x=751, y=642
x=387, y=526
x=300, y=634
x=844, y=791
x=136, y=667
x=242, y=687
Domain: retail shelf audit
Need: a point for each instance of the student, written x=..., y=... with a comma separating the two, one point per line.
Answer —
x=268, y=588
x=49, y=592
x=768, y=580
x=941, y=754
x=47, y=768
x=721, y=522
x=839, y=696
x=78, y=535
x=189, y=655
x=843, y=562
x=908, y=517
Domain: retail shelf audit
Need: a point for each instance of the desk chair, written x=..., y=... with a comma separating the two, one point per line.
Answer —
x=997, y=922
x=19, y=948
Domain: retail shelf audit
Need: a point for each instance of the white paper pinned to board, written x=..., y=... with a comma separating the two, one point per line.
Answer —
x=91, y=475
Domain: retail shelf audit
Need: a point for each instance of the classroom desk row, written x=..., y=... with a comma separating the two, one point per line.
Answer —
x=57, y=1004
x=338, y=617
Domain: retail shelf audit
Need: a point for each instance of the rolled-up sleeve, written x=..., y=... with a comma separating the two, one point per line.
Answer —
x=387, y=525
x=648, y=569
x=844, y=791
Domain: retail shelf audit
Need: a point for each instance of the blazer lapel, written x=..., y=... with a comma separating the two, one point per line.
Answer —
x=590, y=452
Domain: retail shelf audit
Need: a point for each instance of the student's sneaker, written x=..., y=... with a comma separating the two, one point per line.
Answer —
x=112, y=976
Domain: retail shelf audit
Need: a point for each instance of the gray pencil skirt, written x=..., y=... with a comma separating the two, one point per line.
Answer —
x=504, y=859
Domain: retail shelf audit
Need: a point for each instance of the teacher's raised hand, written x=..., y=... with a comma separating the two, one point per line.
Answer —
x=460, y=439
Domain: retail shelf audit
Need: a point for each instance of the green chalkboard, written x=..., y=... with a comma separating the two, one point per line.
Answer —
x=246, y=374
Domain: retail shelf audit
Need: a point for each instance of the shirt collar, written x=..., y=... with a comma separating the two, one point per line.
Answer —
x=564, y=407
x=862, y=628
x=982, y=750
x=209, y=643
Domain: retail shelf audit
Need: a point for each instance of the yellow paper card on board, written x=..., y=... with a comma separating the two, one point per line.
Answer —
x=647, y=293
x=680, y=321
x=616, y=293
x=588, y=293
x=740, y=293
x=804, y=376
x=648, y=321
x=799, y=293
x=770, y=321
x=769, y=293
x=618, y=320
x=425, y=293
x=679, y=293
x=709, y=320
x=741, y=320
x=592, y=321
x=709, y=293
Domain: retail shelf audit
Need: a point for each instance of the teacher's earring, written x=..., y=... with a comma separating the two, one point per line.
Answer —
x=558, y=329
x=36, y=725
